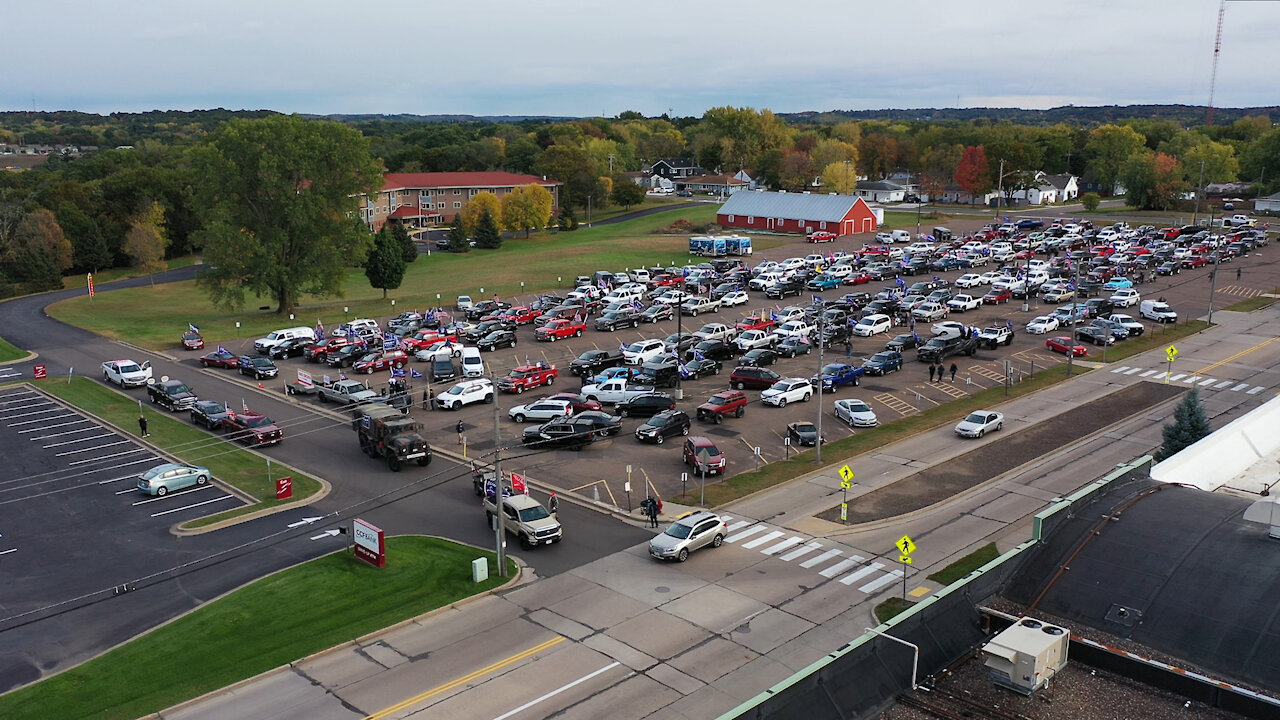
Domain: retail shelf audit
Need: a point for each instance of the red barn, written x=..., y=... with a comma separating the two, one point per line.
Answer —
x=798, y=213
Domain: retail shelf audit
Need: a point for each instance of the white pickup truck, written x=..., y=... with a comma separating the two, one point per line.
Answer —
x=126, y=373
x=344, y=391
x=614, y=391
x=527, y=519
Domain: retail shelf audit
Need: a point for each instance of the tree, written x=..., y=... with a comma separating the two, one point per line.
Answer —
x=971, y=174
x=796, y=170
x=1090, y=200
x=1220, y=162
x=838, y=177
x=829, y=151
x=476, y=207
x=627, y=193
x=145, y=241
x=938, y=166
x=278, y=196
x=1108, y=147
x=458, y=242
x=1152, y=180
x=1260, y=162
x=527, y=208
x=39, y=233
x=408, y=248
x=487, y=233
x=1190, y=424
x=385, y=265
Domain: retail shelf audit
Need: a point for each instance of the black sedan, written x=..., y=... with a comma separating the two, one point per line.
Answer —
x=702, y=368
x=497, y=339
x=794, y=346
x=258, y=367
x=905, y=341
x=208, y=413
x=605, y=425
x=803, y=433
x=289, y=348
x=760, y=357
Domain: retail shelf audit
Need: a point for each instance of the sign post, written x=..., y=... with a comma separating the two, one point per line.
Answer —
x=905, y=548
x=40, y=372
x=1170, y=353
x=284, y=488
x=846, y=481
x=370, y=543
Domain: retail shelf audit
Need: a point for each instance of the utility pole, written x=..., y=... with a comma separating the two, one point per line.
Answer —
x=1075, y=309
x=611, y=156
x=1199, y=187
x=1213, y=287
x=999, y=188
x=499, y=534
x=822, y=323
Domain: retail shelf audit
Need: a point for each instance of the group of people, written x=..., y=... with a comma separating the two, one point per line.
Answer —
x=937, y=372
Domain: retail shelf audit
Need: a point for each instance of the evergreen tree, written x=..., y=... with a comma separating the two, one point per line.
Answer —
x=408, y=248
x=385, y=265
x=487, y=233
x=568, y=222
x=1189, y=425
x=37, y=269
x=458, y=236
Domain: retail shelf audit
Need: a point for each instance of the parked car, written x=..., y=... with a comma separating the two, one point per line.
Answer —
x=164, y=479
x=645, y=405
x=787, y=390
x=665, y=424
x=1066, y=345
x=803, y=433
x=725, y=402
x=753, y=377
x=855, y=413
x=220, y=358
x=259, y=368
x=701, y=454
x=793, y=346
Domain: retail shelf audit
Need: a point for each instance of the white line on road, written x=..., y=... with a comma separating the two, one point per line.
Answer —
x=95, y=447
x=22, y=396
x=32, y=422
x=188, y=507
x=38, y=412
x=1208, y=381
x=746, y=533
x=1223, y=384
x=158, y=498
x=79, y=440
x=1256, y=390
x=801, y=551
x=820, y=559
x=9, y=375
x=841, y=566
x=1239, y=387
x=1133, y=370
x=793, y=540
x=50, y=427
x=10, y=550
x=855, y=577
x=1120, y=369
x=37, y=403
x=107, y=457
x=61, y=434
x=1149, y=373
x=766, y=538
x=737, y=526
x=557, y=691
x=880, y=582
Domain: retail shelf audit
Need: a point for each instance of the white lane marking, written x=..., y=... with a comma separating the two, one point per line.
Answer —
x=118, y=479
x=38, y=403
x=880, y=582
x=737, y=526
x=855, y=577
x=78, y=440
x=96, y=447
x=1256, y=390
x=33, y=422
x=22, y=396
x=38, y=412
x=1133, y=370
x=61, y=434
x=158, y=498
x=1120, y=369
x=9, y=375
x=1239, y=387
x=841, y=566
x=1149, y=373
x=746, y=533
x=10, y=550
x=801, y=551
x=1223, y=384
x=1177, y=377
x=820, y=559
x=766, y=538
x=188, y=507
x=107, y=457
x=1208, y=381
x=774, y=550
x=557, y=691
x=50, y=427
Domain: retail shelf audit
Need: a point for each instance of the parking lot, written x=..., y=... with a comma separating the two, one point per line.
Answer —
x=71, y=517
x=601, y=468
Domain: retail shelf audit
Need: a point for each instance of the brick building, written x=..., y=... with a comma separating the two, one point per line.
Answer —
x=427, y=199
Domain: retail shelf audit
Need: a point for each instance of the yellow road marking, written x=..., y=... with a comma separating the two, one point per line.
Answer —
x=465, y=679
x=1238, y=355
x=920, y=591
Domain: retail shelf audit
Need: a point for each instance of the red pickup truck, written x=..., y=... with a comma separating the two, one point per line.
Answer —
x=425, y=339
x=559, y=329
x=528, y=377
x=754, y=323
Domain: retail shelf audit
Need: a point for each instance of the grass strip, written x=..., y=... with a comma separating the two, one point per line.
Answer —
x=229, y=463
x=891, y=608
x=9, y=352
x=1254, y=303
x=966, y=565
x=1161, y=336
x=266, y=624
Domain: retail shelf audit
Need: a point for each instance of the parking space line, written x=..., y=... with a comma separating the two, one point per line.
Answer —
x=745, y=533
x=96, y=447
x=107, y=457
x=1223, y=384
x=50, y=427
x=775, y=549
x=801, y=551
x=78, y=440
x=821, y=558
x=840, y=566
x=766, y=538
x=892, y=402
x=188, y=507
x=61, y=434
x=880, y=582
x=170, y=496
x=855, y=577
x=10, y=550
x=38, y=412
x=38, y=402
x=20, y=395
x=32, y=422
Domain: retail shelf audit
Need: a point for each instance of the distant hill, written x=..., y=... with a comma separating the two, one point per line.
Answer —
x=407, y=118
x=1185, y=115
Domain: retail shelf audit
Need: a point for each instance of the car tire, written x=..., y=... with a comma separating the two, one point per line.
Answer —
x=805, y=398
x=683, y=554
x=488, y=400
x=1000, y=426
x=518, y=417
x=660, y=439
x=162, y=491
x=624, y=413
x=782, y=402
x=717, y=541
x=981, y=433
x=201, y=479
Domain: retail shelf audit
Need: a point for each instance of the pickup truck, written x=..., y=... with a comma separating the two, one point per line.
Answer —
x=172, y=394
x=995, y=336
x=525, y=518
x=835, y=375
x=963, y=303
x=593, y=361
x=343, y=391
x=126, y=373
x=752, y=339
x=558, y=330
x=939, y=349
x=528, y=377
x=754, y=323
x=615, y=391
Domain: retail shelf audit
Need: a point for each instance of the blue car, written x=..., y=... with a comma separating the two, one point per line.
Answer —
x=823, y=282
x=1118, y=283
x=835, y=375
x=1030, y=223
x=610, y=374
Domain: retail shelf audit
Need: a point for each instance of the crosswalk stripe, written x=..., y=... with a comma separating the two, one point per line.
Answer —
x=1177, y=377
x=840, y=567
x=1223, y=384
x=1256, y=390
x=746, y=533
x=820, y=559
x=855, y=577
x=766, y=538
x=1133, y=370
x=1208, y=381
x=774, y=550
x=1192, y=379
x=1239, y=387
x=1149, y=373
x=1120, y=369
x=801, y=551
x=880, y=582
x=738, y=525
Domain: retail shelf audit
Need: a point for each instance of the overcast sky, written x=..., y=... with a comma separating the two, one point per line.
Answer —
x=566, y=57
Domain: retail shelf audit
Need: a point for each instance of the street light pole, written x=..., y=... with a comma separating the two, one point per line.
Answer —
x=498, y=531
x=822, y=322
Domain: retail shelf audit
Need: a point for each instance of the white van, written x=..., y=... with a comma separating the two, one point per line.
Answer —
x=1157, y=310
x=363, y=327
x=264, y=345
x=472, y=363
x=900, y=236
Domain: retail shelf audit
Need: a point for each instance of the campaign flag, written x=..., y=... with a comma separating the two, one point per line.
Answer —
x=222, y=350
x=773, y=316
x=397, y=372
x=697, y=355
x=389, y=341
x=90, y=281
x=518, y=484
x=319, y=330
x=684, y=371
x=194, y=329
x=342, y=375
x=817, y=299
x=414, y=373
x=622, y=347
x=474, y=468
x=901, y=282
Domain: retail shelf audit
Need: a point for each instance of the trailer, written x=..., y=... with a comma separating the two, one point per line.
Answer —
x=738, y=244
x=705, y=246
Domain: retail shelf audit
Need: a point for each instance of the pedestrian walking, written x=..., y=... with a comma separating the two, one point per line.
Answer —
x=1238, y=273
x=653, y=512
x=913, y=323
x=941, y=371
x=460, y=429
x=848, y=348
x=553, y=504
x=932, y=370
x=953, y=369
x=142, y=425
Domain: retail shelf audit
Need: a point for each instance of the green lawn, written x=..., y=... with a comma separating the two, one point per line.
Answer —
x=9, y=353
x=1160, y=336
x=891, y=608
x=269, y=623
x=106, y=276
x=1254, y=303
x=966, y=564
x=229, y=463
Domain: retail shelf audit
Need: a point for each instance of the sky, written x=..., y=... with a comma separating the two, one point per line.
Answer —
x=578, y=58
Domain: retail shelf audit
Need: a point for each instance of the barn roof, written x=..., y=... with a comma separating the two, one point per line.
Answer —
x=790, y=206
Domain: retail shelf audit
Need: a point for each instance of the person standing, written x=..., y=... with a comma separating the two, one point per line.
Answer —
x=1238, y=273
x=460, y=428
x=931, y=371
x=653, y=512
x=142, y=426
x=941, y=371
x=953, y=369
x=848, y=347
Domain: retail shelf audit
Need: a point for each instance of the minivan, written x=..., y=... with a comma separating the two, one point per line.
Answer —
x=1157, y=310
x=264, y=345
x=472, y=364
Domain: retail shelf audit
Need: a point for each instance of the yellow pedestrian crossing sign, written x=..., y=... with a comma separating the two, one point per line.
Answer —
x=1171, y=352
x=905, y=559
x=905, y=545
x=846, y=477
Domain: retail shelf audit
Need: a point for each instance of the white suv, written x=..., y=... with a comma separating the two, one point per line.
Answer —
x=641, y=352
x=787, y=390
x=466, y=393
x=541, y=410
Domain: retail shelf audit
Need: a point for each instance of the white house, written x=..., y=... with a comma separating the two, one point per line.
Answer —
x=880, y=191
x=955, y=195
x=1270, y=203
x=1066, y=184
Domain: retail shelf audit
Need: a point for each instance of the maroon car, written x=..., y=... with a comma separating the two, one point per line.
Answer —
x=192, y=341
x=1066, y=345
x=252, y=428
x=221, y=358
x=579, y=402
x=384, y=360
x=753, y=377
x=320, y=351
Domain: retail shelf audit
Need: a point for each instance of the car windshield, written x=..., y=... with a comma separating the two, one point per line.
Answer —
x=455, y=390
x=257, y=422
x=858, y=406
x=635, y=347
x=780, y=386
x=657, y=421
x=806, y=428
x=190, y=336
x=179, y=388
x=534, y=513
x=831, y=369
x=880, y=357
x=128, y=368
x=679, y=530
x=976, y=418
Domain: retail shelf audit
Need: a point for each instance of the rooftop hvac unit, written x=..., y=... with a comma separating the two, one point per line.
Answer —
x=1025, y=656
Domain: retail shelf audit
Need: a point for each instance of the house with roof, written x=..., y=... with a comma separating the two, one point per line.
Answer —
x=719, y=185
x=1270, y=203
x=428, y=199
x=676, y=168
x=1066, y=184
x=880, y=191
x=799, y=213
x=956, y=195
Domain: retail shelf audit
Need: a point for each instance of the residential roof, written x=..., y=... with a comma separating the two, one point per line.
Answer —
x=678, y=162
x=880, y=186
x=1059, y=181
x=396, y=181
x=722, y=179
x=410, y=211
x=790, y=206
x=1274, y=196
